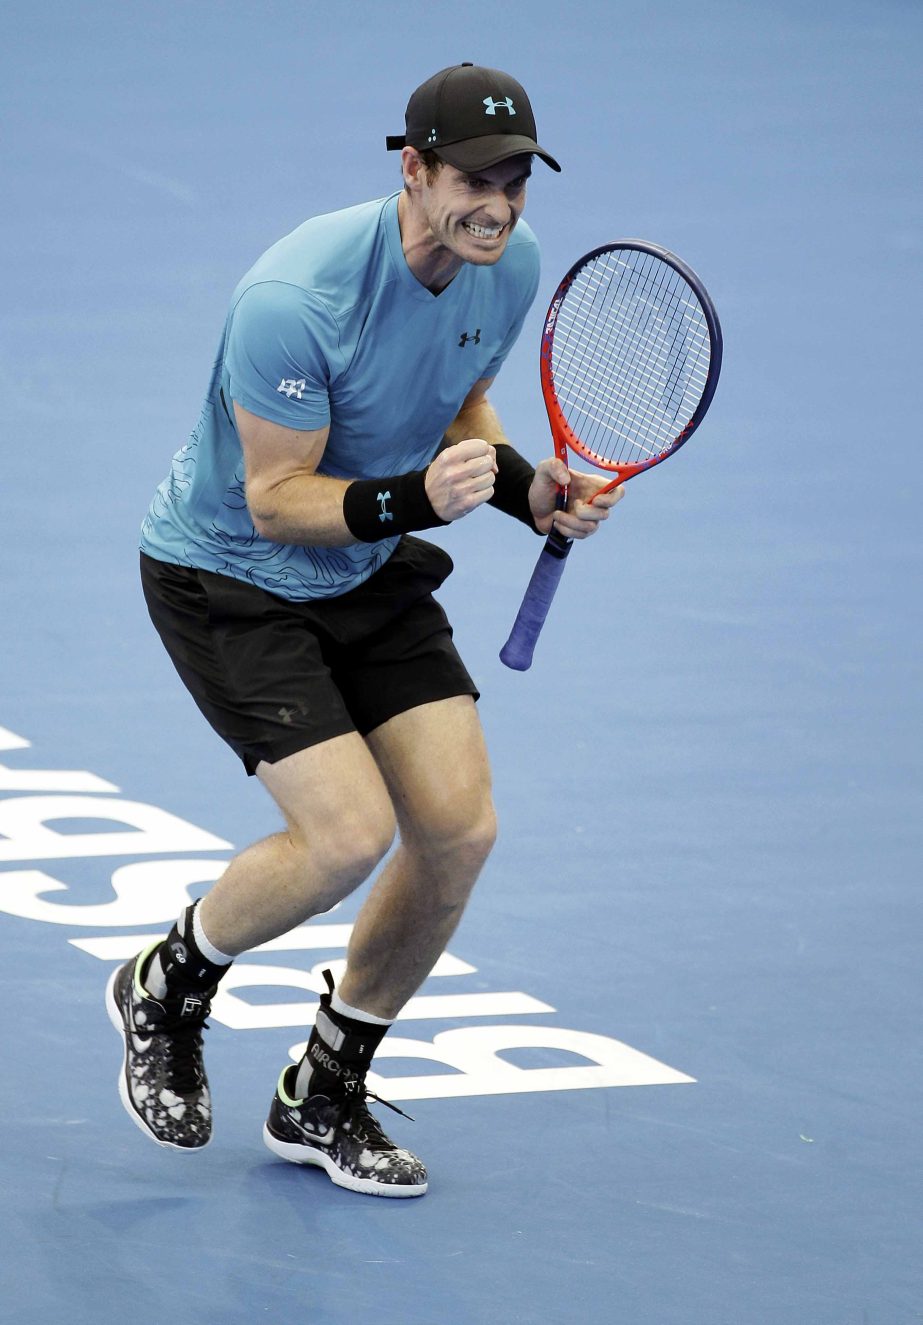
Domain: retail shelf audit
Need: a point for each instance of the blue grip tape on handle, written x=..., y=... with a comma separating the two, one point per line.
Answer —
x=518, y=650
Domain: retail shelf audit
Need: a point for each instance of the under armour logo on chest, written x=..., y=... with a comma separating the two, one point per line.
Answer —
x=493, y=106
x=464, y=339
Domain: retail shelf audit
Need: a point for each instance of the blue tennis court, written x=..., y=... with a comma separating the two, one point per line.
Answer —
x=669, y=1069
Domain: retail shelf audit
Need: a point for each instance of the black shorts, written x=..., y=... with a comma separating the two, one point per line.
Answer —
x=274, y=677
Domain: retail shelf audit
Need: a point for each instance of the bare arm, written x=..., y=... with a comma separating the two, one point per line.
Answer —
x=477, y=418
x=290, y=503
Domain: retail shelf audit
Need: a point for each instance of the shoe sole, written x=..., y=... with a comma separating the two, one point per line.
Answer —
x=115, y=1016
x=302, y=1154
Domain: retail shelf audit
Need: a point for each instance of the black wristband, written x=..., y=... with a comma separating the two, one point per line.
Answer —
x=376, y=508
x=512, y=484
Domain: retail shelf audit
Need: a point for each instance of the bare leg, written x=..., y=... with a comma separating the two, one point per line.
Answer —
x=434, y=762
x=339, y=825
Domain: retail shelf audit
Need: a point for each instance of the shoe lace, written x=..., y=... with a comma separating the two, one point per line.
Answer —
x=364, y=1126
x=182, y=1042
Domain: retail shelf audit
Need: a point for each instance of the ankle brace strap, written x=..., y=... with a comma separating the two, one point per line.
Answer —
x=340, y=1049
x=184, y=967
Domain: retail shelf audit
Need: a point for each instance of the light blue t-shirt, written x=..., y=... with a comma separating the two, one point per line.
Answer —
x=331, y=326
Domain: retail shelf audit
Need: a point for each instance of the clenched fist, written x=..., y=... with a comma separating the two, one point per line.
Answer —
x=461, y=478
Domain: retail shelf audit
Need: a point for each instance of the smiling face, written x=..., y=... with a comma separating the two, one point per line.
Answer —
x=453, y=216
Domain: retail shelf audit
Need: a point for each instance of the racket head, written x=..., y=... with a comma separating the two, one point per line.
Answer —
x=630, y=357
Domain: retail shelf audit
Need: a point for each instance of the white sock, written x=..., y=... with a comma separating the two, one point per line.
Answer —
x=344, y=1009
x=204, y=945
x=154, y=981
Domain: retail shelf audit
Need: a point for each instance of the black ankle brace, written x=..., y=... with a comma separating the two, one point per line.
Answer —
x=184, y=968
x=340, y=1049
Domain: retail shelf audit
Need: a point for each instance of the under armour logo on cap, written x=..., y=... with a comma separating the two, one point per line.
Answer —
x=505, y=104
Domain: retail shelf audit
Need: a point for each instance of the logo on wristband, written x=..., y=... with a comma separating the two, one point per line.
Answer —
x=385, y=514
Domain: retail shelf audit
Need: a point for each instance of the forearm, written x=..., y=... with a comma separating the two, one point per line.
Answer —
x=479, y=419
x=313, y=510
x=302, y=509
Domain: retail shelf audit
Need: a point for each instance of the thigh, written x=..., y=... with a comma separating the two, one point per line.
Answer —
x=434, y=761
x=333, y=797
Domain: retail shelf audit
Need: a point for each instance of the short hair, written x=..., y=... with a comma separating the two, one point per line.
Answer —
x=433, y=163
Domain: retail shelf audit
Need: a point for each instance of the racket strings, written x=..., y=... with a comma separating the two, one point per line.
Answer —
x=650, y=381
x=636, y=321
x=630, y=356
x=598, y=363
x=647, y=381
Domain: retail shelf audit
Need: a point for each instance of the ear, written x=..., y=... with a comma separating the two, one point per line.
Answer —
x=413, y=168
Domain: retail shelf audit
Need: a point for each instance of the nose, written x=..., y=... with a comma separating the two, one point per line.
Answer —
x=499, y=210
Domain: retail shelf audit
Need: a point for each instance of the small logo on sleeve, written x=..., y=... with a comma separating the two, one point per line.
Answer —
x=385, y=514
x=290, y=386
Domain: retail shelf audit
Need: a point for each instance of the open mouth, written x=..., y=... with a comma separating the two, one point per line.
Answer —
x=483, y=231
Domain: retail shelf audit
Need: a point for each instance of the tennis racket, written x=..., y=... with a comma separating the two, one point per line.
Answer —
x=630, y=357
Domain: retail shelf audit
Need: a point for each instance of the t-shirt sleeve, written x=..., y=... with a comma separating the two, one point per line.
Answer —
x=527, y=276
x=282, y=352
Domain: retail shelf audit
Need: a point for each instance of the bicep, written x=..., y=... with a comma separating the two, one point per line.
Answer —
x=274, y=454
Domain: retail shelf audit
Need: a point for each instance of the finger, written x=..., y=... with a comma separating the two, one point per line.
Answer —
x=479, y=465
x=574, y=529
x=473, y=499
x=608, y=499
x=470, y=448
x=579, y=522
x=478, y=482
x=588, y=510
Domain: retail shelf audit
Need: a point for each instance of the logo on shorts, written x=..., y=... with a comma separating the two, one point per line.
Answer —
x=290, y=386
x=288, y=715
x=494, y=106
x=385, y=514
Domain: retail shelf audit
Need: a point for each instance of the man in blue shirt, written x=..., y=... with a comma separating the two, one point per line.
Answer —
x=347, y=410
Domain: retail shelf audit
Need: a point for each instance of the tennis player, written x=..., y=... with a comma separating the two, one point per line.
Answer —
x=347, y=411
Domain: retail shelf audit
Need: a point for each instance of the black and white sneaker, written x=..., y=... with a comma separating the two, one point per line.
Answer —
x=162, y=1083
x=341, y=1136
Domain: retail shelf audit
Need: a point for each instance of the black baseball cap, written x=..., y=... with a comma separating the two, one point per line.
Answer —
x=473, y=117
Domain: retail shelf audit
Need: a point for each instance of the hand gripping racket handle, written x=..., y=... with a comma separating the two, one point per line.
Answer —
x=518, y=650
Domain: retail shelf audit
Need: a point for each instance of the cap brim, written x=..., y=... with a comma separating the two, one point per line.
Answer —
x=490, y=150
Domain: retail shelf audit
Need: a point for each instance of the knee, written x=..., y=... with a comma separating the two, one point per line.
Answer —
x=347, y=848
x=481, y=833
x=463, y=829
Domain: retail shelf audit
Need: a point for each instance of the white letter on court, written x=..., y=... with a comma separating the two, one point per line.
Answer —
x=148, y=892
x=24, y=819
x=473, y=1052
